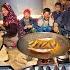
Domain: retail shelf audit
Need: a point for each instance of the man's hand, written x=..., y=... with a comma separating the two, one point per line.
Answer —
x=25, y=27
x=28, y=26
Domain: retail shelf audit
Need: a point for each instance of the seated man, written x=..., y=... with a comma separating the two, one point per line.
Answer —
x=46, y=23
x=27, y=23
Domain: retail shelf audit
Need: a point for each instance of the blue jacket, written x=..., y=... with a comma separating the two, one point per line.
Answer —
x=44, y=29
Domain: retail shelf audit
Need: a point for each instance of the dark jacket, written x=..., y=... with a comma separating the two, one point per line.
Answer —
x=57, y=16
x=21, y=25
x=65, y=23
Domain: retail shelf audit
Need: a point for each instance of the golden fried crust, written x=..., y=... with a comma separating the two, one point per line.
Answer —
x=42, y=44
x=33, y=44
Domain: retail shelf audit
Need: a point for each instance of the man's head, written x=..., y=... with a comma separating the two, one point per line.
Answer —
x=58, y=6
x=27, y=13
x=46, y=13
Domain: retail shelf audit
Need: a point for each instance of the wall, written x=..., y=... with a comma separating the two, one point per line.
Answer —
x=18, y=6
x=49, y=4
x=35, y=6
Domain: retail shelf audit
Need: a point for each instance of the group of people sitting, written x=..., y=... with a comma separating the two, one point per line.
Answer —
x=57, y=21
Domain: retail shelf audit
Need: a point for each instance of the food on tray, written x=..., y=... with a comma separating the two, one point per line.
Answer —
x=42, y=45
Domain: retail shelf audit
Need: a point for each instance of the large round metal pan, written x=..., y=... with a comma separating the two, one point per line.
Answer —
x=22, y=45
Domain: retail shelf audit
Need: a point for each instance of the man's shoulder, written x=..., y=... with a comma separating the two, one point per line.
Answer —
x=21, y=20
x=31, y=19
x=41, y=18
x=40, y=21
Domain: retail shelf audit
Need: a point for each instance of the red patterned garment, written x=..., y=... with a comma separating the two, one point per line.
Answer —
x=10, y=23
x=11, y=17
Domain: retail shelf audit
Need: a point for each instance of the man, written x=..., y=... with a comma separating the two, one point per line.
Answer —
x=27, y=23
x=57, y=14
x=46, y=23
x=65, y=23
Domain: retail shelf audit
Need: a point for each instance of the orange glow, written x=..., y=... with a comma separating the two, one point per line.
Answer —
x=34, y=16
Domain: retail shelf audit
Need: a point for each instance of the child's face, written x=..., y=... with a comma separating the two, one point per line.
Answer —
x=57, y=8
x=46, y=15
